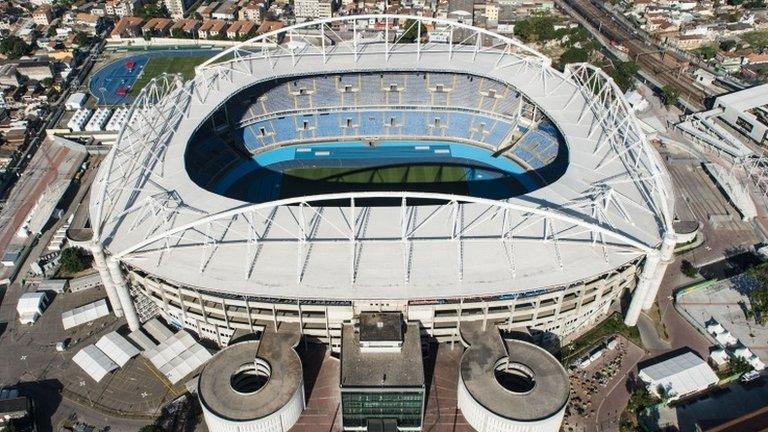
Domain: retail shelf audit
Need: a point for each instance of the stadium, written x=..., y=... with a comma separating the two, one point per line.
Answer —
x=382, y=163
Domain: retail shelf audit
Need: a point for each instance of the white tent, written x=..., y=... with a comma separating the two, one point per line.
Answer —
x=94, y=362
x=715, y=328
x=726, y=338
x=31, y=305
x=157, y=330
x=178, y=356
x=117, y=348
x=679, y=376
x=84, y=314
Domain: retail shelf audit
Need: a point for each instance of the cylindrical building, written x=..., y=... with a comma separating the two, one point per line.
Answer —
x=254, y=386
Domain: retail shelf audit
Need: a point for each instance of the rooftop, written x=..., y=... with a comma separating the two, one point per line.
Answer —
x=480, y=361
x=401, y=368
x=381, y=327
x=276, y=348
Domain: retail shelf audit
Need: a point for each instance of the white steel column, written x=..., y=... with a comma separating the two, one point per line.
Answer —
x=122, y=293
x=644, y=283
x=667, y=256
x=100, y=262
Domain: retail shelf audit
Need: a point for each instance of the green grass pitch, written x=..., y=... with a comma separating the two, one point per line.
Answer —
x=157, y=66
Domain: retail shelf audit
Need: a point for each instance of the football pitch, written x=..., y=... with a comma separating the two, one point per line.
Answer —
x=156, y=66
x=409, y=174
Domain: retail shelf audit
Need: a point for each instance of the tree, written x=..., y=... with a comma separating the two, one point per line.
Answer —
x=537, y=28
x=14, y=47
x=47, y=82
x=739, y=366
x=688, y=269
x=151, y=428
x=728, y=45
x=707, y=52
x=574, y=55
x=669, y=95
x=72, y=260
x=412, y=31
x=623, y=75
x=178, y=33
x=82, y=39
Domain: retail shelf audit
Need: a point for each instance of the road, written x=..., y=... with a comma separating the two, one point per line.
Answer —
x=665, y=66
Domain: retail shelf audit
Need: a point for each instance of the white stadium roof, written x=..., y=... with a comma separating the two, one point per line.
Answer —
x=178, y=356
x=117, y=348
x=94, y=362
x=680, y=375
x=610, y=207
x=84, y=314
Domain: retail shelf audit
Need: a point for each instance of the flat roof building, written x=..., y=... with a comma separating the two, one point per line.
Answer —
x=678, y=376
x=382, y=376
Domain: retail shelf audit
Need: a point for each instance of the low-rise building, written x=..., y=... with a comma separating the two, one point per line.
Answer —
x=227, y=11
x=38, y=70
x=251, y=12
x=241, y=29
x=127, y=27
x=157, y=27
x=187, y=27
x=212, y=29
x=678, y=376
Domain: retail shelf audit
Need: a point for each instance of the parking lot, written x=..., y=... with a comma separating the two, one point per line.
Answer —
x=723, y=301
x=29, y=356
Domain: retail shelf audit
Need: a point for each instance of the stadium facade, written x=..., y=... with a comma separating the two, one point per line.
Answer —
x=184, y=212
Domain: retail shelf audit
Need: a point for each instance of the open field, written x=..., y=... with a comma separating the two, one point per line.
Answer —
x=396, y=174
x=156, y=66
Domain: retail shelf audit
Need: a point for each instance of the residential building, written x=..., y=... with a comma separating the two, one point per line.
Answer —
x=42, y=15
x=241, y=29
x=35, y=70
x=127, y=27
x=188, y=27
x=269, y=26
x=212, y=29
x=157, y=27
x=312, y=9
x=177, y=8
x=87, y=20
x=120, y=8
x=251, y=12
x=227, y=11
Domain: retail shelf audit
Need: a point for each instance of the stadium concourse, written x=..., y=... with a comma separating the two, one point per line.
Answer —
x=307, y=176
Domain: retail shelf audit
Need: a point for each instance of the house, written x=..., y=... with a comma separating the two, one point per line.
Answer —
x=187, y=28
x=269, y=26
x=207, y=11
x=157, y=27
x=241, y=29
x=212, y=29
x=127, y=27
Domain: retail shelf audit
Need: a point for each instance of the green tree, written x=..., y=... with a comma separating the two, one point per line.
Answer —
x=72, y=260
x=707, y=52
x=151, y=428
x=14, y=47
x=738, y=365
x=82, y=39
x=669, y=95
x=574, y=55
x=178, y=33
x=623, y=75
x=47, y=82
x=412, y=31
x=537, y=28
x=688, y=269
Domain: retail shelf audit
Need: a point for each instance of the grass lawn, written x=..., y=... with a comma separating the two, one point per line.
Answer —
x=157, y=66
x=398, y=174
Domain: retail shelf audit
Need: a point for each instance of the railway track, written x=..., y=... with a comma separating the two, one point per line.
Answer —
x=665, y=66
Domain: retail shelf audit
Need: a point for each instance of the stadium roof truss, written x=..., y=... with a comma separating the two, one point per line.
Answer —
x=614, y=200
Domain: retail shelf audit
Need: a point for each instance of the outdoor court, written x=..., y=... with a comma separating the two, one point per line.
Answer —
x=119, y=82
